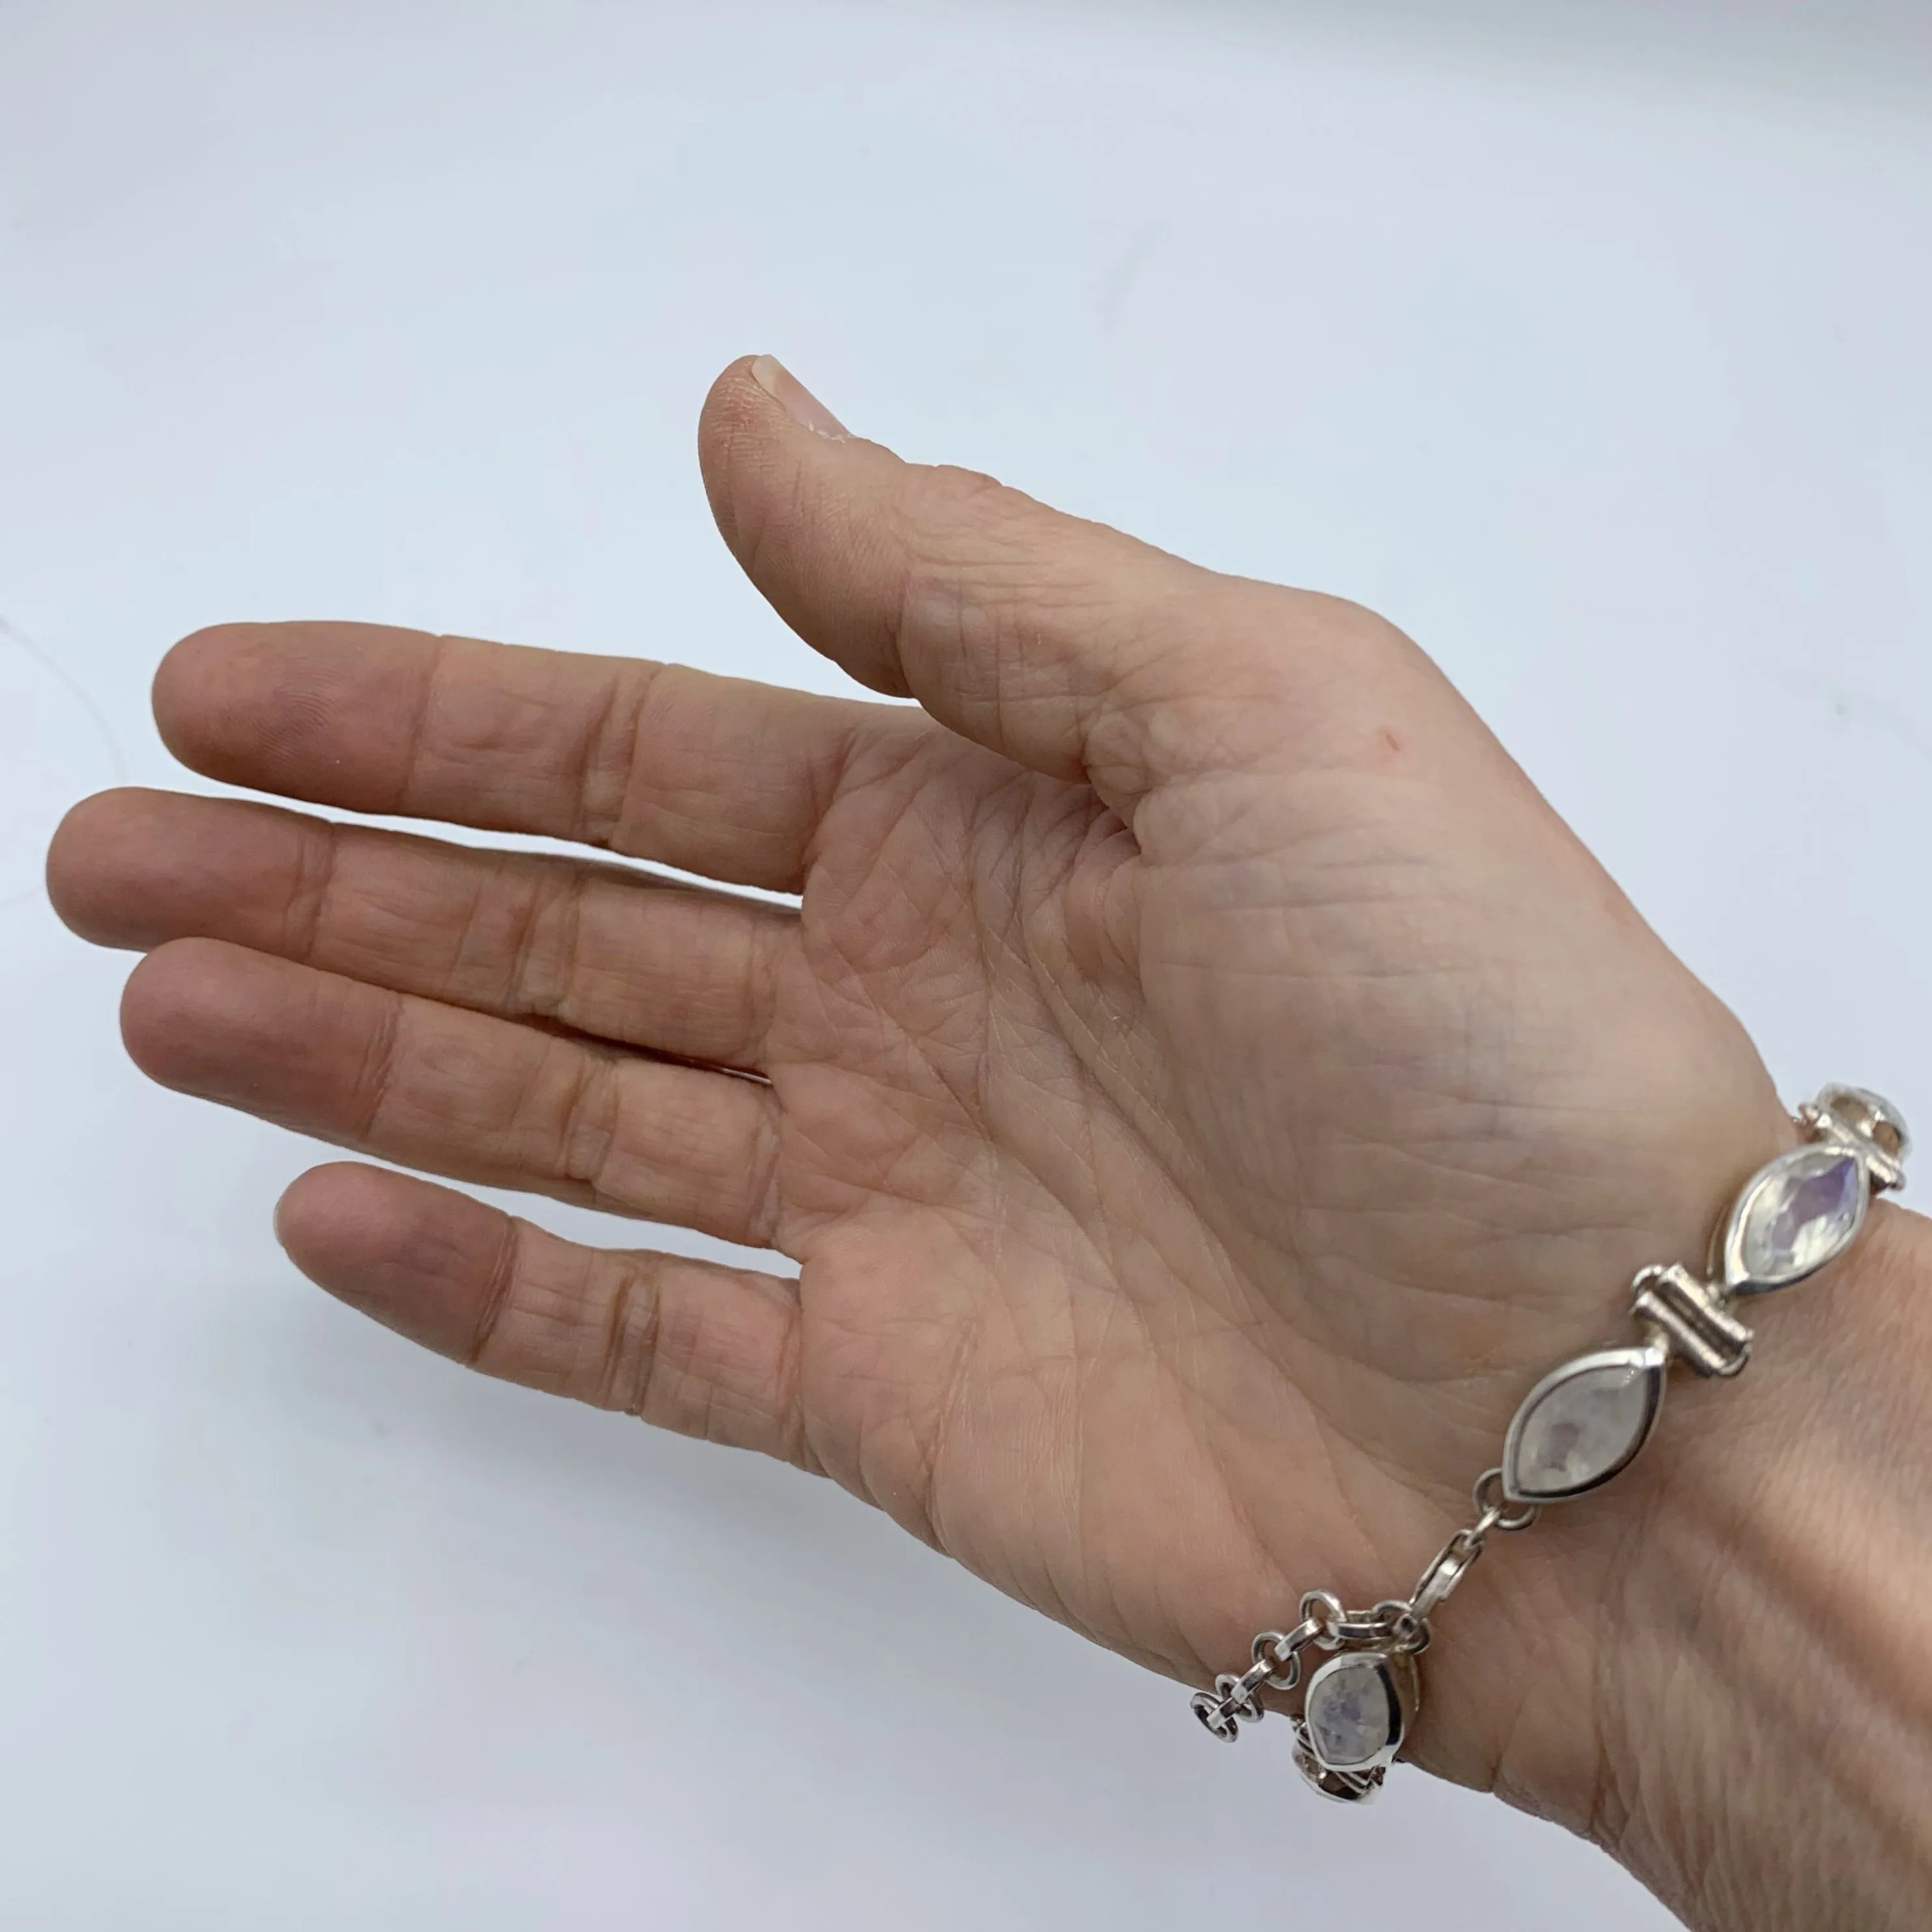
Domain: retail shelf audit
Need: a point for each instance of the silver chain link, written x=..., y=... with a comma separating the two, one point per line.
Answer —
x=1457, y=1557
x=1398, y=1624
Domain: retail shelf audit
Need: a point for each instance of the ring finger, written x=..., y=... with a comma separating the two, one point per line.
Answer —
x=463, y=1094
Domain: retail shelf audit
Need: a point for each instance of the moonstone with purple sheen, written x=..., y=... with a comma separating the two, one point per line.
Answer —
x=1805, y=1210
x=1353, y=1714
x=1582, y=1425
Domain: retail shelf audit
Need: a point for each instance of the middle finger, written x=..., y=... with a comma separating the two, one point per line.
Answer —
x=676, y=969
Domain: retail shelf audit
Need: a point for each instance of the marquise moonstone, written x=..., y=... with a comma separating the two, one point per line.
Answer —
x=1807, y=1209
x=1583, y=1426
x=1352, y=1712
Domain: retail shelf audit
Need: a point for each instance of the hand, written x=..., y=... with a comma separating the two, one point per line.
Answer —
x=1201, y=1085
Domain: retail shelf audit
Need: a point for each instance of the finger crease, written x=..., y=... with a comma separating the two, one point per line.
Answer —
x=496, y=1292
x=318, y=857
x=377, y=1076
x=591, y=1112
x=538, y=976
x=644, y=1345
x=441, y=650
x=614, y=753
x=763, y=1190
x=628, y=1335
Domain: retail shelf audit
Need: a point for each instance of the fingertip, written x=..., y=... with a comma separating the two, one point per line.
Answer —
x=88, y=861
x=798, y=500
x=223, y=1022
x=795, y=399
x=760, y=389
x=414, y=1256
x=194, y=689
x=165, y=1005
x=735, y=426
x=747, y=435
x=270, y=706
x=340, y=1211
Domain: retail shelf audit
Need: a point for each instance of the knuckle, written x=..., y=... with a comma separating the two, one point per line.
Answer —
x=498, y=1291
x=625, y=1375
x=542, y=941
x=588, y=1132
x=375, y=1078
x=953, y=522
x=939, y=497
x=315, y=867
x=607, y=757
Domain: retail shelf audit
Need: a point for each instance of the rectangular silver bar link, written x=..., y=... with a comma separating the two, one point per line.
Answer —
x=1692, y=1320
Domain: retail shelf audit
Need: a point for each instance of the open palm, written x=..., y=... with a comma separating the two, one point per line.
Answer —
x=1200, y=1085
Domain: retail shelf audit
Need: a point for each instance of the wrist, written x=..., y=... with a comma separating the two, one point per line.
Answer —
x=1758, y=1603
x=1712, y=1669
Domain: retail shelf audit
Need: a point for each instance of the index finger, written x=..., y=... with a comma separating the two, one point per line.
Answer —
x=714, y=775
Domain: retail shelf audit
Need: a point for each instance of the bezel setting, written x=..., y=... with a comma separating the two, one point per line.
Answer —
x=1816, y=1157
x=1647, y=1361
x=1394, y=1678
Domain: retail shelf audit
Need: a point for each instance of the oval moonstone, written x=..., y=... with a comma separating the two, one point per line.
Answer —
x=1353, y=1713
x=1578, y=1427
x=1802, y=1211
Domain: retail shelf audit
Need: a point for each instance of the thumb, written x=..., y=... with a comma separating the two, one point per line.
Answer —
x=1066, y=646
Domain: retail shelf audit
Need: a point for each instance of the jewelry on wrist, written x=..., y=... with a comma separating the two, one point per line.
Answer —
x=1576, y=1429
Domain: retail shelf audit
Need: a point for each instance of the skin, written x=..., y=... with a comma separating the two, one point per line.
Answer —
x=1200, y=1086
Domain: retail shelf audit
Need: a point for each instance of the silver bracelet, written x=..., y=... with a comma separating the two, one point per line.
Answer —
x=1576, y=1430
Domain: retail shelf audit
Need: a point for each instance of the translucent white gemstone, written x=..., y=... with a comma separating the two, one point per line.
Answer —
x=1353, y=1714
x=1583, y=1425
x=1804, y=1211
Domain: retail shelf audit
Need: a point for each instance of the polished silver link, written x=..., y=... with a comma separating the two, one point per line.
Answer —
x=1402, y=1628
x=1690, y=1317
x=1286, y=1653
x=1250, y=1684
x=1359, y=1626
x=1236, y=1701
x=1864, y=1124
x=1446, y=1568
x=1457, y=1557
x=1683, y=1318
x=1492, y=1511
x=1323, y=1609
x=1225, y=1708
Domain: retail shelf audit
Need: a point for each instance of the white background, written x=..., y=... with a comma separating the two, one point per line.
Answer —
x=1586, y=338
